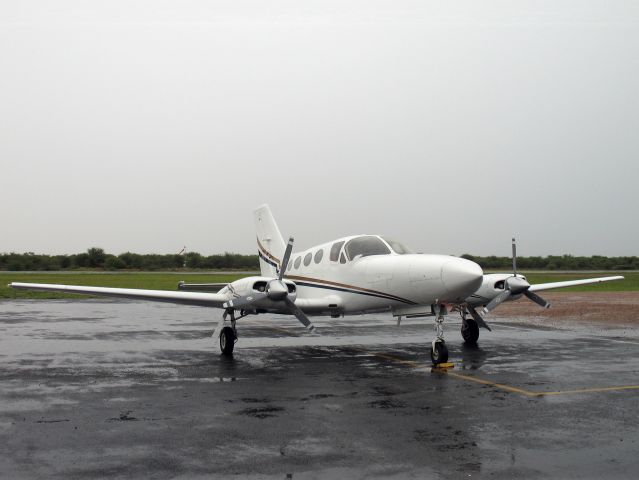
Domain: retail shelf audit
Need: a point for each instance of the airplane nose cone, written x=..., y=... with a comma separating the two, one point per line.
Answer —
x=461, y=277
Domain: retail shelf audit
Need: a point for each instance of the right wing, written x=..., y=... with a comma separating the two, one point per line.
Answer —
x=201, y=299
x=571, y=283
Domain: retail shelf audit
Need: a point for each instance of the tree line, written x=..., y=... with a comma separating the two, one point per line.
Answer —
x=97, y=259
x=557, y=262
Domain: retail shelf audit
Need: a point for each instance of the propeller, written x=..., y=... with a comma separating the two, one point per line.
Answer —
x=277, y=291
x=480, y=321
x=515, y=286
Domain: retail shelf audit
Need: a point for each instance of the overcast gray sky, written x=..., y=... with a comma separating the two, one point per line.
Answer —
x=149, y=125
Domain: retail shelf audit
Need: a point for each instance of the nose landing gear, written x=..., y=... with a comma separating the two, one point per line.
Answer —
x=439, y=351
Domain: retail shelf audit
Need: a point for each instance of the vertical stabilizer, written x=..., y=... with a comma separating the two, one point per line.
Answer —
x=270, y=244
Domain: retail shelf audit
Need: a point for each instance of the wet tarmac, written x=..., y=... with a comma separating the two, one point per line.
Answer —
x=94, y=389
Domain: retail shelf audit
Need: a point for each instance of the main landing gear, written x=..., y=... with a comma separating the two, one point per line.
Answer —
x=228, y=337
x=469, y=329
x=439, y=351
x=228, y=334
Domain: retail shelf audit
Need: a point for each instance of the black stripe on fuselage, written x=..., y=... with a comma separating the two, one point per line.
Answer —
x=347, y=290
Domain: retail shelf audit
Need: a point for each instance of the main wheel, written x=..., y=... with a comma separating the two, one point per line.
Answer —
x=470, y=332
x=439, y=353
x=227, y=340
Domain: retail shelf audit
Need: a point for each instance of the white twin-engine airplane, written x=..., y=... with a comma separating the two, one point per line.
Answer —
x=352, y=275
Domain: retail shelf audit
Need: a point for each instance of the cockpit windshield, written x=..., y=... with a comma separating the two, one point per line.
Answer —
x=365, y=246
x=397, y=247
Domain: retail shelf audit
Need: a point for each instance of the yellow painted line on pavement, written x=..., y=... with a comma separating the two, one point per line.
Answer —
x=500, y=386
x=471, y=378
x=592, y=390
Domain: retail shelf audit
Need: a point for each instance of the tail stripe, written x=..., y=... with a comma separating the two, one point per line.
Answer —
x=268, y=260
x=264, y=252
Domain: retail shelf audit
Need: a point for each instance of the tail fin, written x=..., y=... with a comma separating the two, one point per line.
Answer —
x=270, y=244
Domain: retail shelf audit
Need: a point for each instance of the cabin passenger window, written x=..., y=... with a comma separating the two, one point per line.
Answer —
x=337, y=246
x=365, y=246
x=307, y=259
x=298, y=260
x=289, y=266
x=318, y=255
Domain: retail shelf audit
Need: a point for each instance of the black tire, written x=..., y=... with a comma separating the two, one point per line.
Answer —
x=470, y=332
x=439, y=354
x=227, y=340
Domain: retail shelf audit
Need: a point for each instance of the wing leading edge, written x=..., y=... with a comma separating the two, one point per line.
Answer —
x=572, y=283
x=200, y=299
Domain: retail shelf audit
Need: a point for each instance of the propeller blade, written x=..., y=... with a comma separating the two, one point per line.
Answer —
x=287, y=256
x=537, y=299
x=478, y=319
x=246, y=300
x=514, y=257
x=497, y=300
x=301, y=316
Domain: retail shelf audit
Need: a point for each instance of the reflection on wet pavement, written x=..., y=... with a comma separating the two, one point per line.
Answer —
x=95, y=388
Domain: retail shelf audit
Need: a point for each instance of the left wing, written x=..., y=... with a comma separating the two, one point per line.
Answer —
x=571, y=283
x=201, y=299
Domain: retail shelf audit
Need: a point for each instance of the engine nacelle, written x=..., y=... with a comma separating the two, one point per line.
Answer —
x=492, y=285
x=246, y=286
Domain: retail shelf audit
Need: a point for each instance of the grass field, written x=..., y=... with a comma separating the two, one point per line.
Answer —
x=169, y=281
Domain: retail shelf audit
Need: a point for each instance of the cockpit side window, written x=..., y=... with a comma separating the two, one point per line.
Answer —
x=337, y=246
x=398, y=247
x=365, y=246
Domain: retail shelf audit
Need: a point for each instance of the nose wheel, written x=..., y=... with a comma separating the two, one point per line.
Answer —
x=439, y=352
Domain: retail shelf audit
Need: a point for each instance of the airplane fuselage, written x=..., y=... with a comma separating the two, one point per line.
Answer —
x=333, y=278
